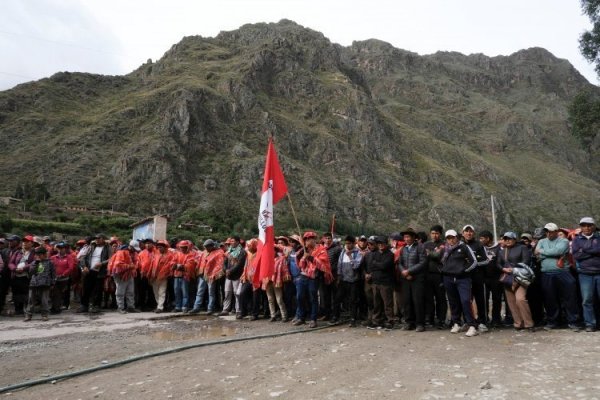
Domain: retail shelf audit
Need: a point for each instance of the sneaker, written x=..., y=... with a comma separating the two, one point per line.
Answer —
x=121, y=311
x=472, y=332
x=549, y=327
x=313, y=324
x=44, y=318
x=372, y=325
x=285, y=319
x=210, y=313
x=194, y=311
x=177, y=310
x=333, y=321
x=590, y=328
x=158, y=311
x=298, y=322
x=388, y=326
x=420, y=328
x=223, y=313
x=27, y=318
x=254, y=318
x=464, y=328
x=482, y=328
x=407, y=327
x=455, y=328
x=272, y=319
x=237, y=316
x=574, y=328
x=133, y=310
x=81, y=310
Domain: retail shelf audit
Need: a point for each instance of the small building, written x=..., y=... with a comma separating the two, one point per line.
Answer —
x=7, y=201
x=154, y=228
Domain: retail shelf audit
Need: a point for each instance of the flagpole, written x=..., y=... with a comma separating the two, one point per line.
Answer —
x=332, y=225
x=494, y=220
x=294, y=214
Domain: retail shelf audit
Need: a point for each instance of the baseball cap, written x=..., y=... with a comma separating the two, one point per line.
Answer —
x=209, y=243
x=510, y=235
x=551, y=227
x=309, y=234
x=135, y=245
x=468, y=227
x=587, y=220
x=451, y=233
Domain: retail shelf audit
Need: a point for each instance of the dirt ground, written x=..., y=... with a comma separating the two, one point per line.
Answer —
x=333, y=363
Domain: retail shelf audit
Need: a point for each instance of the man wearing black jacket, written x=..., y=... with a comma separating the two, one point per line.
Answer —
x=478, y=276
x=93, y=269
x=412, y=265
x=457, y=261
x=493, y=286
x=436, y=305
x=379, y=270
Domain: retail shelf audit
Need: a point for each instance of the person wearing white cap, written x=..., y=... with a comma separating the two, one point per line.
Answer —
x=509, y=257
x=558, y=285
x=586, y=251
x=457, y=260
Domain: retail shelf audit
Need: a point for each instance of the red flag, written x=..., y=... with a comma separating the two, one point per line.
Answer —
x=273, y=190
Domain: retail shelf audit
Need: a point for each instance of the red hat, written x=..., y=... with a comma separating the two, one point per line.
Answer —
x=28, y=238
x=184, y=243
x=164, y=243
x=309, y=234
x=81, y=242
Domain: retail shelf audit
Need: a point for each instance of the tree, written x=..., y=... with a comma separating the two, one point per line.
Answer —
x=584, y=116
x=589, y=42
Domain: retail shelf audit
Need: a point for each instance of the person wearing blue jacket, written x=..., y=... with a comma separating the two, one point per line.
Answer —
x=558, y=285
x=586, y=252
x=348, y=280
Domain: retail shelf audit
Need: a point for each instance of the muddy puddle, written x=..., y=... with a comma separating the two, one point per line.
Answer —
x=204, y=332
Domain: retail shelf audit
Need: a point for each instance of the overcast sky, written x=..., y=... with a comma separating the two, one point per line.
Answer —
x=41, y=37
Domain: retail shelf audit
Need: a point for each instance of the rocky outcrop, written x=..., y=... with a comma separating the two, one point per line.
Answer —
x=380, y=136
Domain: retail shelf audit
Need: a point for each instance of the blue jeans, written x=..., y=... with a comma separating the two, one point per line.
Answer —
x=213, y=292
x=559, y=289
x=181, y=288
x=458, y=291
x=202, y=288
x=590, y=287
x=306, y=287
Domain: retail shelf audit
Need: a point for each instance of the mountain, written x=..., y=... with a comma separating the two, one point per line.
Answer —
x=382, y=137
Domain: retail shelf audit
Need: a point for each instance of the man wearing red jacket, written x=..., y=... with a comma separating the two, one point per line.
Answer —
x=122, y=267
x=64, y=264
x=313, y=262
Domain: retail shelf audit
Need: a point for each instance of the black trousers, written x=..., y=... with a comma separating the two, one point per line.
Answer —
x=92, y=289
x=478, y=292
x=326, y=296
x=413, y=295
x=494, y=289
x=4, y=286
x=436, y=305
x=20, y=292
x=347, y=293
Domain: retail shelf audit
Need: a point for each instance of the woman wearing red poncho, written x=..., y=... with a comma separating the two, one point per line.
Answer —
x=159, y=272
x=122, y=268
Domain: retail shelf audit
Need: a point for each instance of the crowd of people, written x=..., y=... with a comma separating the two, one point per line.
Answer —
x=409, y=280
